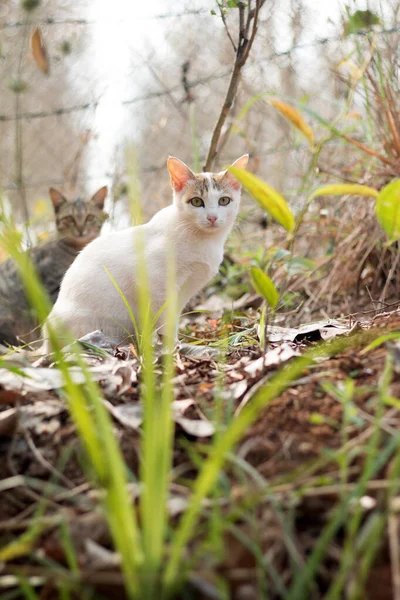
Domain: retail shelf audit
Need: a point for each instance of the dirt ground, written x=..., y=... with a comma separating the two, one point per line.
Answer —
x=286, y=446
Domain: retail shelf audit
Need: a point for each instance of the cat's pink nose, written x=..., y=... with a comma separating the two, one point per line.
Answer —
x=212, y=218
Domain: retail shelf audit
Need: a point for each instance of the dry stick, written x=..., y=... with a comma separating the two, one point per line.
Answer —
x=386, y=106
x=228, y=33
x=243, y=49
x=392, y=103
x=368, y=150
x=389, y=277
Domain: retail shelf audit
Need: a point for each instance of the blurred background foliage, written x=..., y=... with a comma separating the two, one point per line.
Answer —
x=155, y=76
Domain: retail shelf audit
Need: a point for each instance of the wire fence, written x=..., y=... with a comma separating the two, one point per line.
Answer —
x=52, y=128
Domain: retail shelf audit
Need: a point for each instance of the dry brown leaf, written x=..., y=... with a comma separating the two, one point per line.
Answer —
x=100, y=557
x=295, y=118
x=8, y=421
x=9, y=397
x=273, y=357
x=131, y=415
x=196, y=427
x=42, y=417
x=39, y=51
x=35, y=380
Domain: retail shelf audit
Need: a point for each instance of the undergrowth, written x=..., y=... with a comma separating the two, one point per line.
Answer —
x=228, y=502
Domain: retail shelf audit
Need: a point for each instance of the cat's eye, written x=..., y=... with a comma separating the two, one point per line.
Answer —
x=196, y=202
x=224, y=201
x=90, y=219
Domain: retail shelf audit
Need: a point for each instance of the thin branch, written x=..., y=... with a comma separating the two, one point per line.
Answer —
x=243, y=49
x=241, y=19
x=185, y=82
x=213, y=77
x=168, y=92
x=228, y=33
x=389, y=277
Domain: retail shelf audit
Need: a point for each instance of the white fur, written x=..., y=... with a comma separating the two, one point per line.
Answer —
x=88, y=300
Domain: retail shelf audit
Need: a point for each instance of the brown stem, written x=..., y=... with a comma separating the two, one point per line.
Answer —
x=228, y=33
x=243, y=49
x=389, y=277
x=368, y=150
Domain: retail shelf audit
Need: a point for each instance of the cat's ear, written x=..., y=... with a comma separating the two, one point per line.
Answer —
x=57, y=198
x=179, y=173
x=242, y=164
x=99, y=197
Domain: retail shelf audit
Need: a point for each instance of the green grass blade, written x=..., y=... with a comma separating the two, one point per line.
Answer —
x=212, y=466
x=126, y=303
x=95, y=430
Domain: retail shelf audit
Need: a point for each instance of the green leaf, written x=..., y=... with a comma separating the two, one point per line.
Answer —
x=345, y=189
x=268, y=198
x=361, y=20
x=297, y=264
x=264, y=286
x=17, y=86
x=317, y=419
x=387, y=210
x=30, y=5
x=395, y=335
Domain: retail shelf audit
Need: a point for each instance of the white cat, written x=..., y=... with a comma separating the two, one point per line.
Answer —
x=197, y=223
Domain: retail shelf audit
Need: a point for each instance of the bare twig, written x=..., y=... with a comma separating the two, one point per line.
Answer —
x=167, y=91
x=228, y=33
x=245, y=42
x=185, y=82
x=389, y=277
x=199, y=82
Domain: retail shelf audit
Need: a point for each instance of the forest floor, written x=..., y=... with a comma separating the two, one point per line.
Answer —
x=295, y=449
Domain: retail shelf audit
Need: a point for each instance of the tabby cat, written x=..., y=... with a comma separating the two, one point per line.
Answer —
x=78, y=223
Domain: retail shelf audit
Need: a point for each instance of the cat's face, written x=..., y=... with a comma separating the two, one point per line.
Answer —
x=79, y=222
x=209, y=201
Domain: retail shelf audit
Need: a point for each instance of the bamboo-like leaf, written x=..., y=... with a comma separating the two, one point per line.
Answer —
x=342, y=189
x=39, y=51
x=387, y=210
x=292, y=115
x=264, y=286
x=268, y=198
